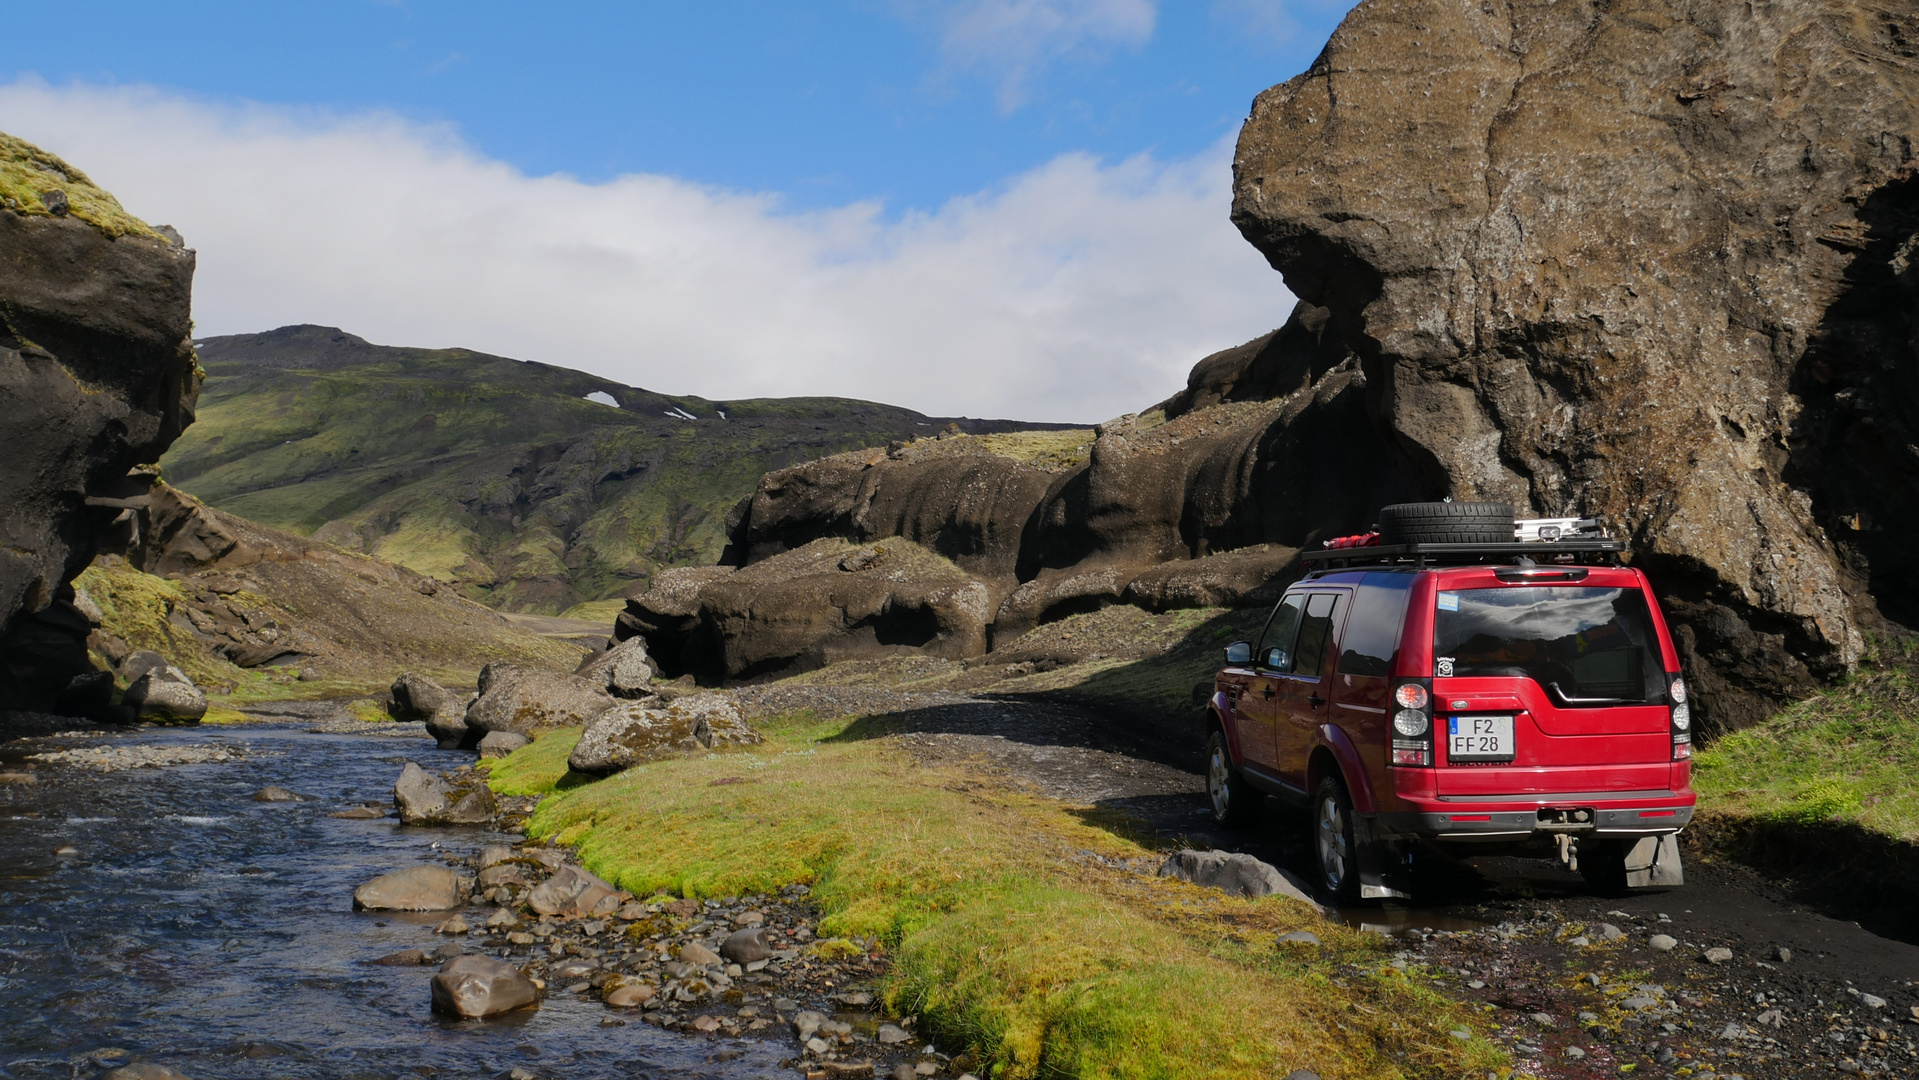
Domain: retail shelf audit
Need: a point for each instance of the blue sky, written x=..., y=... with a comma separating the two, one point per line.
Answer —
x=870, y=125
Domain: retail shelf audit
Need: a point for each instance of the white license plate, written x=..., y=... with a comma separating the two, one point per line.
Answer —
x=1479, y=738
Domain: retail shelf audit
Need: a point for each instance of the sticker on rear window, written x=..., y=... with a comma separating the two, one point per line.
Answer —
x=1449, y=601
x=1443, y=666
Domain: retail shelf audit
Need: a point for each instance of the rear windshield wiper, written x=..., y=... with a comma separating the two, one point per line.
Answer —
x=1591, y=702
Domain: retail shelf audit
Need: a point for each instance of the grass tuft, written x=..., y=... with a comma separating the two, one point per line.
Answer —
x=27, y=173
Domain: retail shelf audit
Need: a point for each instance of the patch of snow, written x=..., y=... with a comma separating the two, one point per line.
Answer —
x=678, y=413
x=603, y=398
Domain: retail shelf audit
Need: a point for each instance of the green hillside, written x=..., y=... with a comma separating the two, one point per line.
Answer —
x=496, y=475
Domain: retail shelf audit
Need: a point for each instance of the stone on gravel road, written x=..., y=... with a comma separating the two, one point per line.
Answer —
x=1717, y=955
x=144, y=1070
x=416, y=888
x=623, y=670
x=635, y=732
x=425, y=799
x=1239, y=874
x=1298, y=937
x=528, y=702
x=277, y=794
x=745, y=946
x=573, y=891
x=501, y=743
x=1662, y=942
x=166, y=694
x=473, y=986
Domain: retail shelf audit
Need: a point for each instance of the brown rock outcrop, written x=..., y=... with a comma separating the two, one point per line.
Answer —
x=1650, y=263
x=97, y=375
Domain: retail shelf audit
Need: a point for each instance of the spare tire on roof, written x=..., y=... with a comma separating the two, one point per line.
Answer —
x=1446, y=523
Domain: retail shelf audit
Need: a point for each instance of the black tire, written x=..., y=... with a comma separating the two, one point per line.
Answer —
x=1603, y=864
x=1446, y=523
x=1235, y=804
x=1335, y=843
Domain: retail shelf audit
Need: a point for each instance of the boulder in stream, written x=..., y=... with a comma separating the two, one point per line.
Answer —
x=425, y=799
x=473, y=986
x=416, y=888
x=165, y=693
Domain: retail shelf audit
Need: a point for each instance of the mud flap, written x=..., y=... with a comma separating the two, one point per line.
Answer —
x=1385, y=871
x=1654, y=860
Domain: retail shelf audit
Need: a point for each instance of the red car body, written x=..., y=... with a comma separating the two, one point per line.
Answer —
x=1562, y=714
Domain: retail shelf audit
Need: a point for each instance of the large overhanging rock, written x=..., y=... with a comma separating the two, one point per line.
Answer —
x=97, y=375
x=1649, y=262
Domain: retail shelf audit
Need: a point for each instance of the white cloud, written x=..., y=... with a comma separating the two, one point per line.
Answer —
x=1013, y=39
x=1077, y=291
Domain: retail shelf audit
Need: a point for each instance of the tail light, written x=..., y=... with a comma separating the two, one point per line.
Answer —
x=1412, y=721
x=1681, y=719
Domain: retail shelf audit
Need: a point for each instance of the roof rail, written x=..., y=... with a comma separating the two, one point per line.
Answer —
x=1578, y=552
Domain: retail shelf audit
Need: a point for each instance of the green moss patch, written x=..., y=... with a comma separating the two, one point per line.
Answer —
x=1002, y=937
x=28, y=174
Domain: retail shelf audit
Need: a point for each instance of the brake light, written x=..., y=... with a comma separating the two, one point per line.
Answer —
x=1413, y=724
x=1681, y=719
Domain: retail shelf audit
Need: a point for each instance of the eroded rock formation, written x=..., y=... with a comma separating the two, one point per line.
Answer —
x=1650, y=262
x=97, y=375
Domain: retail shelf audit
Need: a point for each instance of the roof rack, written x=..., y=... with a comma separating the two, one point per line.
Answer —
x=1577, y=552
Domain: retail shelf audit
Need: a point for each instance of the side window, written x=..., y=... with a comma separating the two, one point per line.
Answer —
x=1372, y=630
x=1314, y=629
x=1276, y=644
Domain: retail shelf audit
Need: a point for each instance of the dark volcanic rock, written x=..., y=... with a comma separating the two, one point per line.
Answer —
x=1650, y=264
x=529, y=702
x=98, y=376
x=415, y=697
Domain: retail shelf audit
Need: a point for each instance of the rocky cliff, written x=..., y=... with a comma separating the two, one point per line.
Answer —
x=97, y=375
x=1651, y=263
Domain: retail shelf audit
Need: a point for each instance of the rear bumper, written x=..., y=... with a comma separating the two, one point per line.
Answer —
x=1519, y=817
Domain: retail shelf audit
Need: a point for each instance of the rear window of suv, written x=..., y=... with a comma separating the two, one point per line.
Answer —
x=1583, y=645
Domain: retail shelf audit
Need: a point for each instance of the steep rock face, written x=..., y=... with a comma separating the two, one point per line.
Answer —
x=97, y=375
x=1650, y=262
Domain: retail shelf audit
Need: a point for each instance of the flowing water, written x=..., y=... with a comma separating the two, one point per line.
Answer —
x=196, y=928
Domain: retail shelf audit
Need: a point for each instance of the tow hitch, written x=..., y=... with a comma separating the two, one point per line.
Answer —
x=1565, y=823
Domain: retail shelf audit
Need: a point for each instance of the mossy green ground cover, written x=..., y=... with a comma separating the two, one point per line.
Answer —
x=27, y=173
x=1001, y=937
x=1848, y=754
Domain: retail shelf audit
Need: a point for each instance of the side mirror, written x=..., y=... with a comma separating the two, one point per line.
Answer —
x=1239, y=652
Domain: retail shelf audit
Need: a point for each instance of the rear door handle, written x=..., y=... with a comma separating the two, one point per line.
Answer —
x=1315, y=700
x=1266, y=691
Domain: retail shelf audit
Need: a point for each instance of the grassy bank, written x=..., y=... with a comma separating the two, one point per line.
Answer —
x=1002, y=935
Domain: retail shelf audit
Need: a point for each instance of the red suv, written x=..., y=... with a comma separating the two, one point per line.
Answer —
x=1477, y=689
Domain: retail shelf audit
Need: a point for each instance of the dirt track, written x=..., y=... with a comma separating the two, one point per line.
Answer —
x=1512, y=926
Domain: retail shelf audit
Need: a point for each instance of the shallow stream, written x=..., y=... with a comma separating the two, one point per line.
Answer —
x=197, y=928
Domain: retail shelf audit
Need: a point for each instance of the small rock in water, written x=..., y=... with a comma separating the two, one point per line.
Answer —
x=455, y=925
x=144, y=1070
x=1717, y=955
x=630, y=995
x=705, y=1023
x=67, y=850
x=1662, y=942
x=474, y=986
x=277, y=794
x=417, y=888
x=359, y=813
x=404, y=958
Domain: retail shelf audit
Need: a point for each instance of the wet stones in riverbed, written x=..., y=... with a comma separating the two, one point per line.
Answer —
x=635, y=732
x=1239, y=874
x=359, y=813
x=416, y=888
x=572, y=891
x=425, y=799
x=476, y=986
x=746, y=946
x=277, y=794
